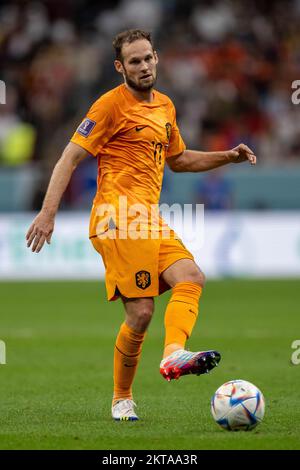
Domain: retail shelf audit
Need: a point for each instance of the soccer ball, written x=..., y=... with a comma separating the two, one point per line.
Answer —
x=238, y=405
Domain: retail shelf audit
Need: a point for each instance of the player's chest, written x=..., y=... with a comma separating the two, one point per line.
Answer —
x=147, y=126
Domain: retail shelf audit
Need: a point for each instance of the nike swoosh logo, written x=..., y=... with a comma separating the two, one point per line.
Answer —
x=139, y=128
x=126, y=365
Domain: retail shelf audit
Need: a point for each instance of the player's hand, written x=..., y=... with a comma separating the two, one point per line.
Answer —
x=242, y=153
x=40, y=231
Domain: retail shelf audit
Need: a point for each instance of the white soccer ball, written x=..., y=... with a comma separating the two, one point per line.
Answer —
x=238, y=405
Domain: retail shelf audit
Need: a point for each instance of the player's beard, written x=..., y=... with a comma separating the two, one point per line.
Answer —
x=139, y=86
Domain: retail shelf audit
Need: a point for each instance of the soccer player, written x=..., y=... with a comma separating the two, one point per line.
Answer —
x=132, y=131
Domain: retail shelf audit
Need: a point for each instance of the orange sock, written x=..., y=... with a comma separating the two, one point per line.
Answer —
x=181, y=315
x=127, y=353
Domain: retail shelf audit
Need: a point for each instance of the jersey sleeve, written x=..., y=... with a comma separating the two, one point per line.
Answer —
x=97, y=127
x=176, y=143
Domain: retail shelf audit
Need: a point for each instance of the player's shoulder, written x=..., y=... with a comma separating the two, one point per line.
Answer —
x=164, y=99
x=109, y=98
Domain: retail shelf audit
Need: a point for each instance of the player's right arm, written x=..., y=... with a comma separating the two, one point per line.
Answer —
x=42, y=227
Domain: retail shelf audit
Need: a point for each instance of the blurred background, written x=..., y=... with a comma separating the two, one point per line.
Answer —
x=227, y=65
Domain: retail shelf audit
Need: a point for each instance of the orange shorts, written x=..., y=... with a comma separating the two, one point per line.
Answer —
x=133, y=267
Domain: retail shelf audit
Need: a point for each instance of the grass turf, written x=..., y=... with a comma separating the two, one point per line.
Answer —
x=55, y=390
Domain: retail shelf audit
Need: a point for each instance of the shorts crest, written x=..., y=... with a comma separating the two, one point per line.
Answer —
x=143, y=279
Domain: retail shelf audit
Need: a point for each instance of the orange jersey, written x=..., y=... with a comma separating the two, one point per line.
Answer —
x=131, y=140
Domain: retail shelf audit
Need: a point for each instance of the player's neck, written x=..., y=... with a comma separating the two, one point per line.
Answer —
x=146, y=96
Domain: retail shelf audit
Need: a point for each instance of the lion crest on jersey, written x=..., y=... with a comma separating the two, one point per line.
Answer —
x=142, y=279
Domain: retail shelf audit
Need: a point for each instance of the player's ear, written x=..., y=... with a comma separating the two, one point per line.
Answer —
x=119, y=66
x=155, y=57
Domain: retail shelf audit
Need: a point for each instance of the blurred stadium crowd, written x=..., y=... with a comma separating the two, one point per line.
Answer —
x=228, y=65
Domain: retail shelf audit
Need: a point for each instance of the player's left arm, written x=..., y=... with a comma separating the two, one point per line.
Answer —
x=196, y=161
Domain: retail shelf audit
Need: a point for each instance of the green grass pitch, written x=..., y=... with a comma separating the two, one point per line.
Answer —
x=55, y=390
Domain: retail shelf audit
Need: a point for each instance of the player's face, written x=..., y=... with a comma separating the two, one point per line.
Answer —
x=139, y=65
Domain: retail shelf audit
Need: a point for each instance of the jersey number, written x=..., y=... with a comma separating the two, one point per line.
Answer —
x=157, y=151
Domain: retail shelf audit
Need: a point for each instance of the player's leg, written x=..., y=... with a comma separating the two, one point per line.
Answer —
x=128, y=347
x=187, y=281
x=178, y=271
x=131, y=268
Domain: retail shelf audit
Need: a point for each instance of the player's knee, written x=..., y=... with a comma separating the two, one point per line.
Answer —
x=201, y=279
x=197, y=277
x=140, y=314
x=141, y=320
x=144, y=316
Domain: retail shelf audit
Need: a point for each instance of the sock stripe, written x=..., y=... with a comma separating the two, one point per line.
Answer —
x=127, y=355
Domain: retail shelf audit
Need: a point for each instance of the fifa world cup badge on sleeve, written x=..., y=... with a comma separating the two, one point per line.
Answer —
x=86, y=127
